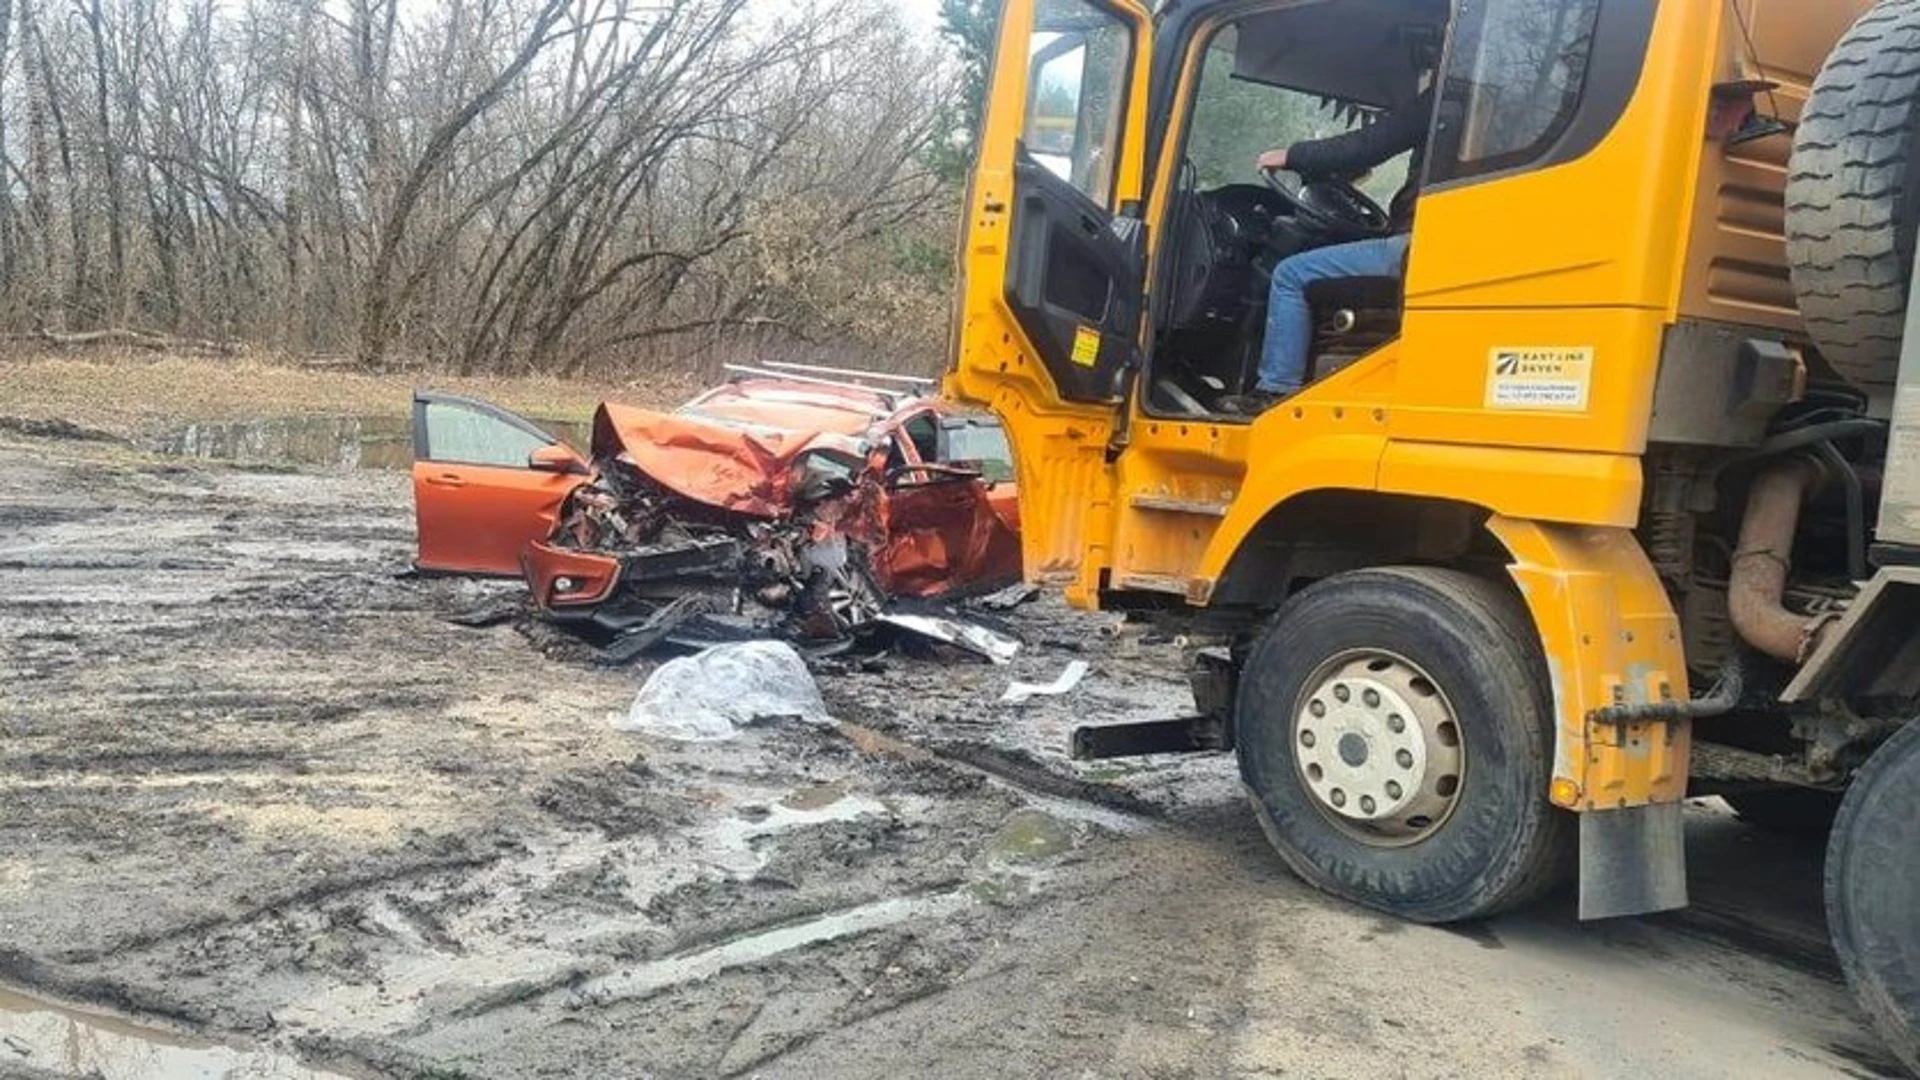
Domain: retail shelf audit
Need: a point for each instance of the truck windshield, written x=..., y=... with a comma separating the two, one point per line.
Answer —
x=1234, y=120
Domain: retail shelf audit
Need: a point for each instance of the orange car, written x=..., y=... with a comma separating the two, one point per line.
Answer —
x=790, y=500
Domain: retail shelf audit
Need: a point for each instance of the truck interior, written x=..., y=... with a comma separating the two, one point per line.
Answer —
x=1268, y=80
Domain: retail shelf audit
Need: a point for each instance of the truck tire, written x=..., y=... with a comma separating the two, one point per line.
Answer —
x=1853, y=196
x=1395, y=731
x=1873, y=892
x=1789, y=811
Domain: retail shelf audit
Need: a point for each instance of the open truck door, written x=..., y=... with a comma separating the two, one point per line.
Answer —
x=1053, y=263
x=485, y=484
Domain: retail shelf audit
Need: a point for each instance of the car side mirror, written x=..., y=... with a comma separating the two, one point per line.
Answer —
x=554, y=458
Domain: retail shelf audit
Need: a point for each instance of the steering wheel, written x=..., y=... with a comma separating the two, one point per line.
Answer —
x=1329, y=206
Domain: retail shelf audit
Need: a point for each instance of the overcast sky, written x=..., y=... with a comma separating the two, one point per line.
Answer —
x=921, y=13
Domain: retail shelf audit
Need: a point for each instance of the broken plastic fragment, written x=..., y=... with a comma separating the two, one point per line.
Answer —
x=1011, y=597
x=998, y=648
x=1020, y=691
x=706, y=696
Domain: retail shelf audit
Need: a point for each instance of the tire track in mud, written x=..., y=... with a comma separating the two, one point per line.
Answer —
x=306, y=896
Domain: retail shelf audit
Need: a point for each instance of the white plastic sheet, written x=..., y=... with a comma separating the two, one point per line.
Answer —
x=708, y=695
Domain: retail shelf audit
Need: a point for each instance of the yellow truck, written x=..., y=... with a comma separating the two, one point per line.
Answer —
x=1612, y=497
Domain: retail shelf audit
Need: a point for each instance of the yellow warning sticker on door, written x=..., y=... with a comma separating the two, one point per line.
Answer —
x=1555, y=379
x=1086, y=346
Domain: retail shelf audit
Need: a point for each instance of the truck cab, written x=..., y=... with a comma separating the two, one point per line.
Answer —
x=1574, y=515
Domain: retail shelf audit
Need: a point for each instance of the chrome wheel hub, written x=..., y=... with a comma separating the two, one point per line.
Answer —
x=1377, y=746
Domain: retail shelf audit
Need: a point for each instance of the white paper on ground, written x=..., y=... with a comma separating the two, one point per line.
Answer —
x=1070, y=678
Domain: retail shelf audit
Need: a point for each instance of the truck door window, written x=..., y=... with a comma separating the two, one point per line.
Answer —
x=1076, y=86
x=1513, y=83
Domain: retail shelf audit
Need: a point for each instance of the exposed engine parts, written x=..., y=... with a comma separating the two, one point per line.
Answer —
x=1763, y=551
x=800, y=576
x=1764, y=558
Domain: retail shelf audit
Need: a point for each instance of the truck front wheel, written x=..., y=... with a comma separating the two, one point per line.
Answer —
x=1873, y=891
x=1395, y=730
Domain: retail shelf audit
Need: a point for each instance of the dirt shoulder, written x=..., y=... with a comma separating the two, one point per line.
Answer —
x=259, y=797
x=132, y=395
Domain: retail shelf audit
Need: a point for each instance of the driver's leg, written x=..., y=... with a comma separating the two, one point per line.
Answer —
x=1283, y=356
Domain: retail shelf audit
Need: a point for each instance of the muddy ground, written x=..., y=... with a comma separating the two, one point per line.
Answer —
x=264, y=811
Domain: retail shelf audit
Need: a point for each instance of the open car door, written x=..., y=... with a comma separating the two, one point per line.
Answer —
x=485, y=484
x=944, y=536
x=1053, y=256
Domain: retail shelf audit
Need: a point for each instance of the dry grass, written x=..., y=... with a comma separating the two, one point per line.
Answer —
x=134, y=394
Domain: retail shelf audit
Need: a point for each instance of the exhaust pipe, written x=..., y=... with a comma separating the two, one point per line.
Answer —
x=1763, y=558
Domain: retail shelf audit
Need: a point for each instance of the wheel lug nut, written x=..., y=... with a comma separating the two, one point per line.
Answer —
x=1317, y=707
x=1393, y=789
x=1307, y=739
x=1404, y=757
x=1339, y=797
x=1341, y=693
x=1395, y=724
x=1372, y=698
x=1366, y=804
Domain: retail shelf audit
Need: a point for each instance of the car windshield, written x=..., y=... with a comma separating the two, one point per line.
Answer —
x=984, y=444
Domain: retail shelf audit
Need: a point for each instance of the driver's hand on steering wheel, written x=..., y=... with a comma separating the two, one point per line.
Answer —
x=1271, y=160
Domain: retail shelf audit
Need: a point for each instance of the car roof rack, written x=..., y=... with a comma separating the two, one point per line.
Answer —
x=921, y=381
x=891, y=395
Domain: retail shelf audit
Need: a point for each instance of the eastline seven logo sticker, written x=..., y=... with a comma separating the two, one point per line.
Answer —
x=1544, y=379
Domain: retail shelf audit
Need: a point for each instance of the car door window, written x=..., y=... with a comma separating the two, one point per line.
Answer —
x=460, y=434
x=982, y=444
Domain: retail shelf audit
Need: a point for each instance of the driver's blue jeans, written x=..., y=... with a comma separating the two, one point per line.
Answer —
x=1283, y=358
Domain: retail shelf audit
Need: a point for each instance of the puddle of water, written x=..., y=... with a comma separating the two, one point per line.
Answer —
x=1031, y=836
x=816, y=797
x=55, y=1039
x=649, y=978
x=336, y=442
x=728, y=844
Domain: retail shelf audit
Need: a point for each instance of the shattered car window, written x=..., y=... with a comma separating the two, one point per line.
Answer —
x=828, y=465
x=984, y=445
x=924, y=432
x=456, y=434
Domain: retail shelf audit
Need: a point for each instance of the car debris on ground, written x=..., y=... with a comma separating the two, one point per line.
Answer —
x=1019, y=693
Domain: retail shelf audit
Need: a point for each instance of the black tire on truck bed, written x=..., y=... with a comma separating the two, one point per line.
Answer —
x=1853, y=195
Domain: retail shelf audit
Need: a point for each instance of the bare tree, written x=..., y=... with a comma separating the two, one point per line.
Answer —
x=494, y=185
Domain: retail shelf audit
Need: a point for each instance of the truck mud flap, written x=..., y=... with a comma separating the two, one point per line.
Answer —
x=1632, y=861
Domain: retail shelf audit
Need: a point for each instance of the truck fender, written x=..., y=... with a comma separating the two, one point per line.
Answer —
x=1611, y=638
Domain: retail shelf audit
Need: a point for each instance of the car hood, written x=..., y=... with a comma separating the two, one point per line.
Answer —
x=746, y=471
